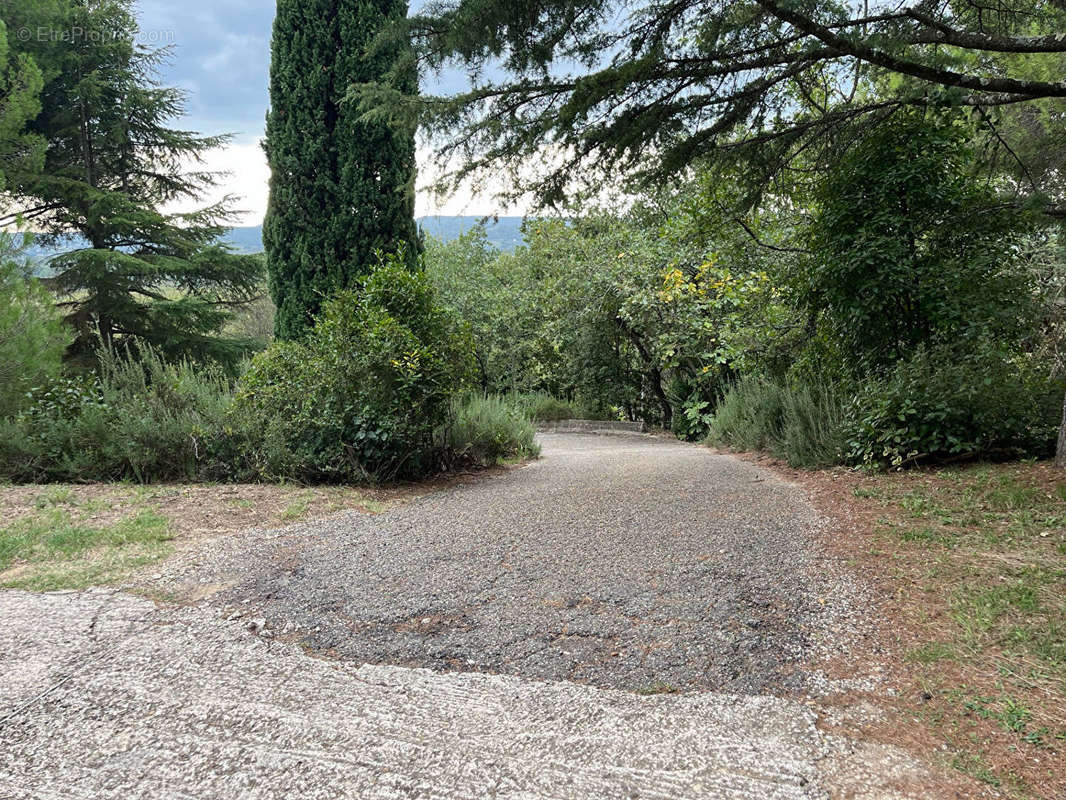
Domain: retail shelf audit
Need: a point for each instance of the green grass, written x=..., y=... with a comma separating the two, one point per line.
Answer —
x=57, y=548
x=984, y=549
x=931, y=653
x=296, y=510
x=1001, y=534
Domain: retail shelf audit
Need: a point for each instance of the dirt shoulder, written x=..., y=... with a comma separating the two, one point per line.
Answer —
x=967, y=567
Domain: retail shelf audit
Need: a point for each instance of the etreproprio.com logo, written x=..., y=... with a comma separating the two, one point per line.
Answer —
x=76, y=35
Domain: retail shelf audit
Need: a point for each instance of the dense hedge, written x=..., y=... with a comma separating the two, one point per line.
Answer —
x=372, y=394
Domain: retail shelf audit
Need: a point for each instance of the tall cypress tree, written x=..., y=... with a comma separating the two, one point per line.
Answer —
x=341, y=188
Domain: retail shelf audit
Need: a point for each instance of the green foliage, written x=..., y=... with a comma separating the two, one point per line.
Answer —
x=910, y=247
x=32, y=335
x=342, y=188
x=20, y=85
x=501, y=298
x=947, y=401
x=640, y=315
x=801, y=423
x=144, y=420
x=360, y=397
x=486, y=429
x=111, y=164
x=543, y=407
x=773, y=87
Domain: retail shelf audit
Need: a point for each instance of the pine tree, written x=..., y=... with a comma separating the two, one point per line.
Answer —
x=111, y=168
x=341, y=188
x=20, y=87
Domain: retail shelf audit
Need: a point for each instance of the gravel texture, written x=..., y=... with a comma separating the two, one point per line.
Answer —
x=106, y=697
x=630, y=562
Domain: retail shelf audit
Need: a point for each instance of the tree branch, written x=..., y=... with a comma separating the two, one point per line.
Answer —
x=942, y=77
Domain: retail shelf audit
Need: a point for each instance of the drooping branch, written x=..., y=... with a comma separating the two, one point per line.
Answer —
x=845, y=45
x=942, y=33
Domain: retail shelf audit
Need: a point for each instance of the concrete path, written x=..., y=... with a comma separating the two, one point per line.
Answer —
x=105, y=697
x=631, y=562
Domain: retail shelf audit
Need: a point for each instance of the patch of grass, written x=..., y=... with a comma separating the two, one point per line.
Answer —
x=985, y=544
x=867, y=493
x=931, y=653
x=374, y=506
x=54, y=496
x=296, y=510
x=974, y=766
x=55, y=549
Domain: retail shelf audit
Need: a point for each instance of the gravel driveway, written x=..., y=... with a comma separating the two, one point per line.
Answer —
x=627, y=562
x=622, y=563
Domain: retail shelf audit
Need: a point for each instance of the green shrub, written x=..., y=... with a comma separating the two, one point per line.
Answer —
x=801, y=423
x=33, y=337
x=946, y=403
x=543, y=407
x=360, y=398
x=143, y=420
x=910, y=245
x=485, y=429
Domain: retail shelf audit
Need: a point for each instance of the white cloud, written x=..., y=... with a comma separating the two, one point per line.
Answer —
x=248, y=177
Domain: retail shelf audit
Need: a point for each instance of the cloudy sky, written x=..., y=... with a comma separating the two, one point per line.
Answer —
x=221, y=57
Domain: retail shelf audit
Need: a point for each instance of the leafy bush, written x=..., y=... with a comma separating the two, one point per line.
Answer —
x=143, y=420
x=485, y=429
x=360, y=398
x=801, y=423
x=911, y=246
x=943, y=403
x=543, y=407
x=32, y=335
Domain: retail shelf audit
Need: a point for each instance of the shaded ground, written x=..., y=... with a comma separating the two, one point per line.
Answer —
x=969, y=565
x=625, y=562
x=70, y=536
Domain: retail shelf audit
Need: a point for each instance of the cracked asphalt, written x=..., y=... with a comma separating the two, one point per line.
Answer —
x=628, y=562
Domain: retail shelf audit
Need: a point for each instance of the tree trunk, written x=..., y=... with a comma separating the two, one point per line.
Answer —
x=655, y=375
x=1060, y=449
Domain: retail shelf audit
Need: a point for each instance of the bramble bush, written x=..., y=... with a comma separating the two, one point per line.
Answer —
x=949, y=402
x=367, y=396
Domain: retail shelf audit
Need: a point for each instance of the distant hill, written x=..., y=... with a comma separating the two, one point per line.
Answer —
x=504, y=233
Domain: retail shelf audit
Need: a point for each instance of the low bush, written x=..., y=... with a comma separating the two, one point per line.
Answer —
x=33, y=337
x=360, y=398
x=801, y=423
x=945, y=403
x=143, y=420
x=486, y=429
x=543, y=407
